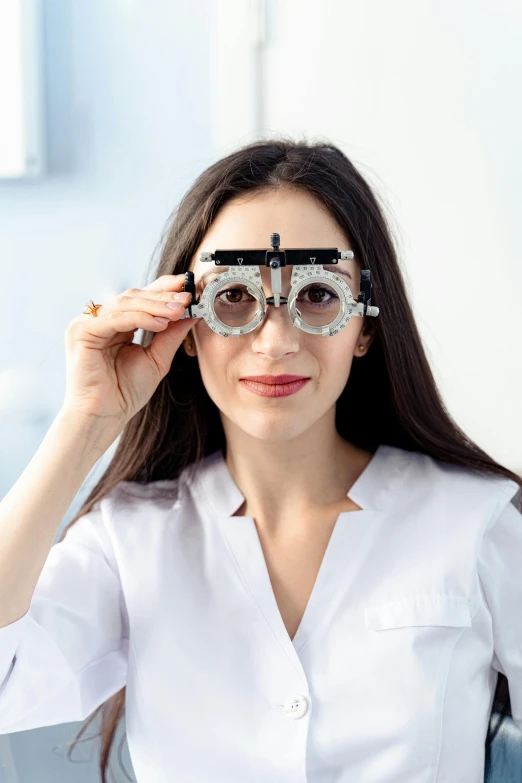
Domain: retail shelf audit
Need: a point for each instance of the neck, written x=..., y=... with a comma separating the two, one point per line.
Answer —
x=286, y=483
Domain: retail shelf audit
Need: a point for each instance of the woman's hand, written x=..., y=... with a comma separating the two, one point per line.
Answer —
x=107, y=375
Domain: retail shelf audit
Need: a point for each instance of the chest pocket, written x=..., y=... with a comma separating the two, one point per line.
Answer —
x=403, y=661
x=419, y=609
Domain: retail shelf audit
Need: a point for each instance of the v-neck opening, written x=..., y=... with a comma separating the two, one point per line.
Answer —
x=245, y=545
x=370, y=491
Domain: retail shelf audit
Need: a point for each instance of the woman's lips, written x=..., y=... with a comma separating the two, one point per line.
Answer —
x=283, y=378
x=274, y=389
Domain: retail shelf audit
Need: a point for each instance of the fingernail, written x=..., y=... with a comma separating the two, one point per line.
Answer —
x=181, y=297
x=175, y=306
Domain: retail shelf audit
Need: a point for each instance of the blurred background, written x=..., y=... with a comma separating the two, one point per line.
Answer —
x=109, y=111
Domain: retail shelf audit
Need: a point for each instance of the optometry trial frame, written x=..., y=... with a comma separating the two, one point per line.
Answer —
x=243, y=276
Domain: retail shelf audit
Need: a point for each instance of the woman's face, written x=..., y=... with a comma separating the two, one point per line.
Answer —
x=276, y=346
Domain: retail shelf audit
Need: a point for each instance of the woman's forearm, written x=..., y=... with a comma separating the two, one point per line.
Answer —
x=33, y=509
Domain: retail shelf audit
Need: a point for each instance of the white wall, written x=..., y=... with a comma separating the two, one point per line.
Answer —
x=129, y=128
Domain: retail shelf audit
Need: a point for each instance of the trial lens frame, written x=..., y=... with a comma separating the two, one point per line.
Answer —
x=306, y=268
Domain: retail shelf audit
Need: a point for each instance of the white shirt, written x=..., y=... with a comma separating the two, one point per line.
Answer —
x=389, y=679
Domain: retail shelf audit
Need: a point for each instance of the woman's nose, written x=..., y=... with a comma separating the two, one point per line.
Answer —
x=276, y=335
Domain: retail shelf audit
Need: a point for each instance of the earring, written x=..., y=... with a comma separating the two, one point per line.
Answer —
x=361, y=347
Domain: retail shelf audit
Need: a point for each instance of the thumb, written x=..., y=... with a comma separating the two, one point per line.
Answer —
x=165, y=344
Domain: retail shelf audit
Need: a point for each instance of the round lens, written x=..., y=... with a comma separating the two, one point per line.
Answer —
x=318, y=304
x=234, y=305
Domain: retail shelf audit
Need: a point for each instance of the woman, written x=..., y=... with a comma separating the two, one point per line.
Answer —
x=316, y=586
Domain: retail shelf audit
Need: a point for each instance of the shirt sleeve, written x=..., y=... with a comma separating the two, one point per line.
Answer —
x=500, y=574
x=68, y=653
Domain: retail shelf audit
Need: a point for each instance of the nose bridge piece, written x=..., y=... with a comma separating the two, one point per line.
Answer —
x=271, y=300
x=275, y=279
x=276, y=283
x=284, y=326
x=277, y=299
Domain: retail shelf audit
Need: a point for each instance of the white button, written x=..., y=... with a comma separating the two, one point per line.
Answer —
x=295, y=706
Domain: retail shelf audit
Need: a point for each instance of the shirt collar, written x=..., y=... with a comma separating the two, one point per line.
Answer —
x=370, y=491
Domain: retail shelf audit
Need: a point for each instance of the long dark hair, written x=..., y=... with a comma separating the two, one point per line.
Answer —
x=180, y=424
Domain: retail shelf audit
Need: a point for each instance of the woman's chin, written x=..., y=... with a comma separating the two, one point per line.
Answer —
x=271, y=428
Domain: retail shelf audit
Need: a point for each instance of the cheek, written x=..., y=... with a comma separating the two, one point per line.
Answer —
x=215, y=353
x=335, y=354
x=334, y=360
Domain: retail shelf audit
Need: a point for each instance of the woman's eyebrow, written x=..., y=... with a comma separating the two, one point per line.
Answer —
x=211, y=273
x=338, y=270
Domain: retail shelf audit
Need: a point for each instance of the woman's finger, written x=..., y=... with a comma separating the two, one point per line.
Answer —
x=163, y=347
x=165, y=305
x=116, y=321
x=166, y=283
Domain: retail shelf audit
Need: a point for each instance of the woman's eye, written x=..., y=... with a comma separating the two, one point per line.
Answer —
x=319, y=295
x=233, y=296
x=313, y=296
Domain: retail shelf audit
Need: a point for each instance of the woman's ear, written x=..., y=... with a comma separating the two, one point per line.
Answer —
x=366, y=337
x=188, y=346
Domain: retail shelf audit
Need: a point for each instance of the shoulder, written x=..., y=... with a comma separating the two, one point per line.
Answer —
x=131, y=515
x=458, y=484
x=129, y=501
x=156, y=491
